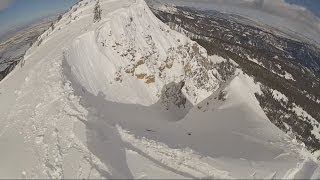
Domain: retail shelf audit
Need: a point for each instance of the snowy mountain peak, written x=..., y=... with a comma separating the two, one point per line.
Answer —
x=131, y=55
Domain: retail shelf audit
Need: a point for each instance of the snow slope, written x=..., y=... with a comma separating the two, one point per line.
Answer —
x=127, y=97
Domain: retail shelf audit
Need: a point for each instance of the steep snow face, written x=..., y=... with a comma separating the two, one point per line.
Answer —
x=131, y=55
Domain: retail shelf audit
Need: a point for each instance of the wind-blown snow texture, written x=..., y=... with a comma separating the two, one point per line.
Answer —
x=126, y=97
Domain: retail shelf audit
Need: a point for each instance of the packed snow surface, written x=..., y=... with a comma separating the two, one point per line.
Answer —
x=126, y=97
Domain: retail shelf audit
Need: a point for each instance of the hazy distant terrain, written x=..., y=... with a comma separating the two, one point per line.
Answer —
x=13, y=49
x=292, y=19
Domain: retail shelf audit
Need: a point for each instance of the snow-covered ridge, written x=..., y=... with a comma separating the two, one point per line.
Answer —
x=131, y=55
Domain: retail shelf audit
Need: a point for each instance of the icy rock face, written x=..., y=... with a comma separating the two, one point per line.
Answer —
x=131, y=55
x=172, y=95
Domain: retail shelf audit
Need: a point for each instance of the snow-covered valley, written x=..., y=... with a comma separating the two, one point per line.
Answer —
x=127, y=97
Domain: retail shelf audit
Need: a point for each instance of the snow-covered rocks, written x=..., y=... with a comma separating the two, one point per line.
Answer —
x=131, y=55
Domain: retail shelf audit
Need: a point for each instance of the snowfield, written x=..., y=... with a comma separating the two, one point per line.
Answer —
x=127, y=97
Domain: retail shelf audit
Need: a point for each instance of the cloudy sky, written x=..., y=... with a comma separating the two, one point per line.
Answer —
x=312, y=5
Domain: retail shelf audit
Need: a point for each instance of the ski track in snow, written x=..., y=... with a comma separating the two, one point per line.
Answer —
x=45, y=112
x=54, y=130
